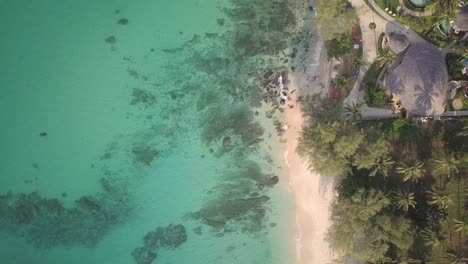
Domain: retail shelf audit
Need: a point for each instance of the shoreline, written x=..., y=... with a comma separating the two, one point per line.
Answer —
x=312, y=193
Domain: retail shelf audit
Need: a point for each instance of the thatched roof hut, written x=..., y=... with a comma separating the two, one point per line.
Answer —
x=398, y=42
x=462, y=18
x=420, y=82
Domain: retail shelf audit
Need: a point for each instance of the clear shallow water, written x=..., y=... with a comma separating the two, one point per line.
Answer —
x=149, y=110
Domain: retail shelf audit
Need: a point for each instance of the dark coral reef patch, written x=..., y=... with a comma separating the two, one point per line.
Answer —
x=46, y=222
x=169, y=237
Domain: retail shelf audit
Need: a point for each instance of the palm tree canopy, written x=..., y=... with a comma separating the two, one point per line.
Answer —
x=433, y=239
x=465, y=53
x=358, y=62
x=411, y=172
x=456, y=258
x=444, y=5
x=447, y=164
x=404, y=200
x=353, y=111
x=442, y=201
x=385, y=57
x=461, y=226
x=464, y=132
x=382, y=166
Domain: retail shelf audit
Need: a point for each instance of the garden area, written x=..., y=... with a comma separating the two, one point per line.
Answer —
x=340, y=30
x=374, y=94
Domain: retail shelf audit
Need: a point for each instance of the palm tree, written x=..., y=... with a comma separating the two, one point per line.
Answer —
x=461, y=226
x=447, y=165
x=456, y=258
x=386, y=57
x=433, y=239
x=464, y=132
x=353, y=111
x=404, y=200
x=341, y=82
x=444, y=5
x=411, y=172
x=382, y=166
x=442, y=201
x=444, y=15
x=358, y=62
x=465, y=53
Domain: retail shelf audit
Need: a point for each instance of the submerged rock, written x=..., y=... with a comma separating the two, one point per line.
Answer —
x=46, y=223
x=88, y=204
x=197, y=230
x=218, y=215
x=143, y=255
x=145, y=155
x=140, y=96
x=151, y=239
x=272, y=181
x=122, y=21
x=172, y=236
x=169, y=237
x=110, y=40
x=226, y=142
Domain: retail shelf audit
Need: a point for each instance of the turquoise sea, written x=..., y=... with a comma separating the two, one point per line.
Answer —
x=144, y=131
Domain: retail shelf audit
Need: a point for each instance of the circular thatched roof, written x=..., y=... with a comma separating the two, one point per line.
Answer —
x=398, y=42
x=421, y=81
x=462, y=18
x=457, y=104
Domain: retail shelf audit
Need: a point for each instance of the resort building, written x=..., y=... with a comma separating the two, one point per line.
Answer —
x=418, y=80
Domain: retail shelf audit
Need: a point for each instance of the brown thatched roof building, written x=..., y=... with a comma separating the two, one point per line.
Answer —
x=420, y=82
x=398, y=43
x=462, y=18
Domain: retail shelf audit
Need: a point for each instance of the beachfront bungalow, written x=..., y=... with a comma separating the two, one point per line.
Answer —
x=418, y=80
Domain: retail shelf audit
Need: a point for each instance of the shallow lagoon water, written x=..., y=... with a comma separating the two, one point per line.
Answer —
x=120, y=118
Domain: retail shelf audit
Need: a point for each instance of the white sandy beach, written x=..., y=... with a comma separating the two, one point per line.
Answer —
x=313, y=193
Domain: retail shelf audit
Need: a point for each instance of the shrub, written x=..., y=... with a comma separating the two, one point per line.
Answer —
x=375, y=96
x=338, y=47
x=454, y=68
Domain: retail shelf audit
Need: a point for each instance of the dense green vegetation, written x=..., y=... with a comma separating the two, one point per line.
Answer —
x=374, y=96
x=402, y=188
x=339, y=46
x=391, y=4
x=454, y=66
x=335, y=20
